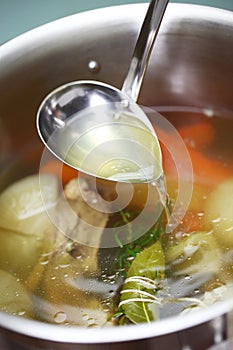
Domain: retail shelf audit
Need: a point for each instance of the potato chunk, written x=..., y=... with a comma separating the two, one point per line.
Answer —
x=219, y=210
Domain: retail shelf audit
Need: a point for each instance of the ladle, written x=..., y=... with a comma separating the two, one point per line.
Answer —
x=99, y=129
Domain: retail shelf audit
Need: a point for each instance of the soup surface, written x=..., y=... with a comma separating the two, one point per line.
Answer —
x=76, y=251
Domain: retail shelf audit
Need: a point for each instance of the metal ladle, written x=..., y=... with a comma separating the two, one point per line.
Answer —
x=99, y=129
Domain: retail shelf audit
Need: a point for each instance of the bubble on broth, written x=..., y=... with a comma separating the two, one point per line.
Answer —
x=60, y=317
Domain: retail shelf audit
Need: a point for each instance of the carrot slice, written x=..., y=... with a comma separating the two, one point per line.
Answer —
x=64, y=172
x=206, y=171
x=197, y=135
x=193, y=222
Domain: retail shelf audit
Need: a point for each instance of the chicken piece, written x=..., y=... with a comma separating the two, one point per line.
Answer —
x=79, y=228
x=91, y=214
x=65, y=291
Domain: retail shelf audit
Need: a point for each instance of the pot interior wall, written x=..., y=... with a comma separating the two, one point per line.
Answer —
x=191, y=65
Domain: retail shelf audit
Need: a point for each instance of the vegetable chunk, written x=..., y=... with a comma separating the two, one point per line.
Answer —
x=22, y=205
x=219, y=209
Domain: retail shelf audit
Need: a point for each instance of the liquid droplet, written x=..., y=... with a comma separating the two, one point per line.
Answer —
x=130, y=258
x=44, y=260
x=188, y=277
x=63, y=266
x=60, y=317
x=91, y=322
x=85, y=317
x=216, y=220
x=21, y=313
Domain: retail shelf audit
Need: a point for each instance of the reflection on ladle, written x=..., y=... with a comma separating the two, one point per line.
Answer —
x=99, y=129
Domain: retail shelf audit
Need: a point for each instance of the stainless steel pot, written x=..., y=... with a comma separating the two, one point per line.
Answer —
x=191, y=66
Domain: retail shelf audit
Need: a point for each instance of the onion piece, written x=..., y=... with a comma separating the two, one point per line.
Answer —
x=19, y=252
x=14, y=297
x=23, y=204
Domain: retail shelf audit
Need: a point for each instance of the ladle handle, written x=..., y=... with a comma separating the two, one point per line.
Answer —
x=143, y=48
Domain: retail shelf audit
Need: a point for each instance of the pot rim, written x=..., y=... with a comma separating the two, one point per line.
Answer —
x=121, y=12
x=82, y=335
x=75, y=334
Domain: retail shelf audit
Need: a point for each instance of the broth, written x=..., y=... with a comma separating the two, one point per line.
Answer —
x=67, y=273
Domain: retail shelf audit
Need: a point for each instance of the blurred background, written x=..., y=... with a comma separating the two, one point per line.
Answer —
x=19, y=16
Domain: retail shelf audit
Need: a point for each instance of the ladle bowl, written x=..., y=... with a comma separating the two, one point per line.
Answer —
x=81, y=118
x=97, y=128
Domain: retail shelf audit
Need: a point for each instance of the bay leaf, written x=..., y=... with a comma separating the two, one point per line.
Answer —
x=138, y=294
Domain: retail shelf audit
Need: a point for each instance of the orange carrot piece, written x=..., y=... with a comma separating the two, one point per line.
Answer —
x=197, y=135
x=206, y=171
x=192, y=222
x=62, y=170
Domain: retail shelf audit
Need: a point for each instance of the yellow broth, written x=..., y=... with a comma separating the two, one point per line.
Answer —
x=48, y=277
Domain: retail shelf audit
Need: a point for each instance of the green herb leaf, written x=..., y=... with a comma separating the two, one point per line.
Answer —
x=142, y=283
